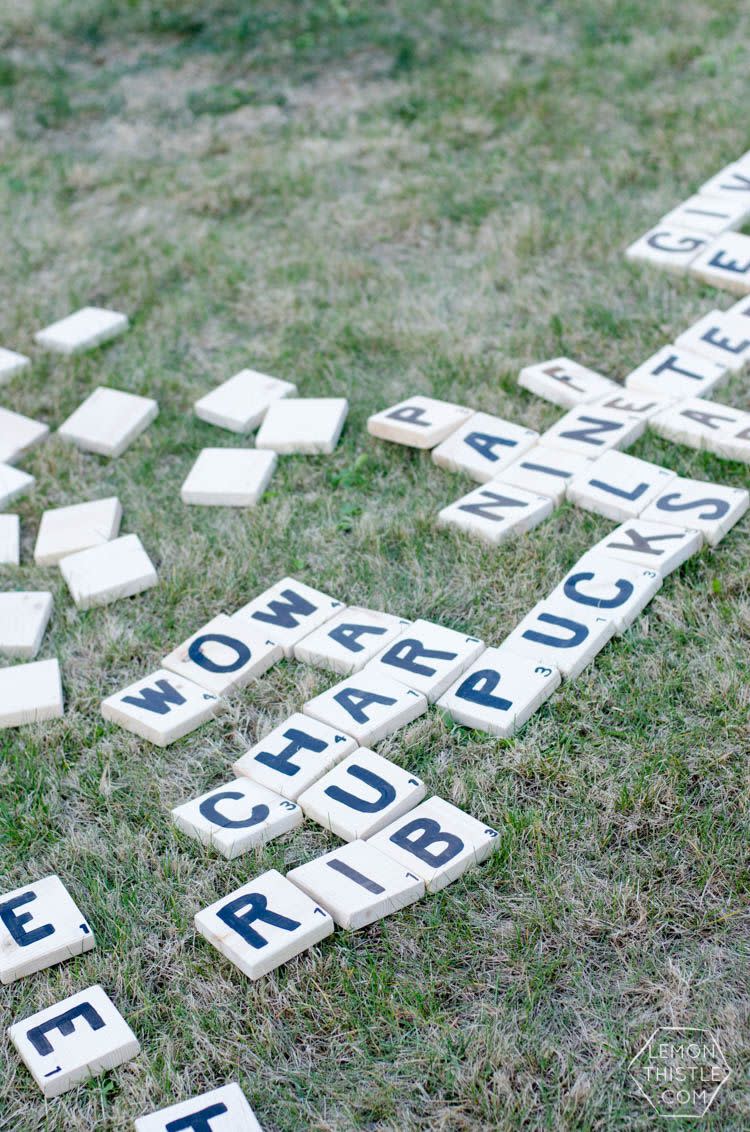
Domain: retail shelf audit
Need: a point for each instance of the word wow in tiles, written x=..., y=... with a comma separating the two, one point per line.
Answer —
x=350, y=639
x=590, y=432
x=561, y=634
x=228, y=477
x=227, y=653
x=499, y=692
x=288, y=612
x=308, y=425
x=368, y=706
x=483, y=446
x=161, y=707
x=565, y=383
x=67, y=530
x=427, y=659
x=677, y=373
x=86, y=328
x=419, y=422
x=237, y=817
x=618, y=486
x=30, y=693
x=709, y=508
x=40, y=925
x=294, y=755
x=618, y=591
x=221, y=1110
x=108, y=421
x=495, y=512
x=241, y=403
x=114, y=570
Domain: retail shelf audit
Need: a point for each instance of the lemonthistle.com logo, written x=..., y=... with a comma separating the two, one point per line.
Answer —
x=680, y=1071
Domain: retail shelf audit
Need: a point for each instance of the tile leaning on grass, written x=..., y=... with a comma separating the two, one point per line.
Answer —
x=710, y=215
x=544, y=471
x=30, y=693
x=240, y=403
x=706, y=425
x=161, y=707
x=108, y=421
x=732, y=183
x=82, y=330
x=106, y=573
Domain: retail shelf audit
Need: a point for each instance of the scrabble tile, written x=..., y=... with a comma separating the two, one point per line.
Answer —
x=741, y=308
x=86, y=328
x=294, y=755
x=590, y=432
x=544, y=471
x=357, y=884
x=78, y=1038
x=732, y=442
x=66, y=530
x=289, y=611
x=237, y=817
x=564, y=382
x=10, y=540
x=654, y=546
x=730, y=183
x=437, y=841
x=40, y=925
x=309, y=425
x=241, y=403
x=429, y=658
x=699, y=423
x=367, y=706
x=560, y=633
x=361, y=794
x=617, y=590
x=418, y=422
x=496, y=512
x=674, y=372
x=618, y=486
x=23, y=622
x=18, y=434
x=108, y=421
x=710, y=508
x=632, y=403
x=13, y=483
x=11, y=363
x=350, y=639
x=725, y=263
x=483, y=446
x=161, y=707
x=225, y=654
x=263, y=924
x=668, y=247
x=499, y=692
x=30, y=693
x=221, y=1110
x=103, y=574
x=710, y=215
x=720, y=337
x=228, y=477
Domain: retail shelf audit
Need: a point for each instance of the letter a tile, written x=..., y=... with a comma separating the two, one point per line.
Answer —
x=368, y=706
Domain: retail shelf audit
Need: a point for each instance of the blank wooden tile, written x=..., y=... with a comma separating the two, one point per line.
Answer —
x=117, y=569
x=23, y=621
x=289, y=611
x=18, y=434
x=725, y=263
x=11, y=363
x=223, y=655
x=308, y=425
x=559, y=633
x=702, y=424
x=590, y=432
x=428, y=658
x=221, y=1110
x=617, y=590
x=720, y=337
x=731, y=183
x=668, y=247
x=368, y=706
x=565, y=382
x=86, y=328
x=10, y=540
x=78, y=1038
x=710, y=215
x=294, y=755
x=544, y=471
x=495, y=512
x=161, y=707
x=228, y=477
x=632, y=403
x=418, y=422
x=710, y=508
x=437, y=841
x=263, y=924
x=675, y=372
x=361, y=794
x=499, y=692
x=237, y=817
x=108, y=421
x=483, y=446
x=40, y=925
x=13, y=483
x=655, y=546
x=241, y=403
x=357, y=884
x=350, y=639
x=66, y=530
x=618, y=486
x=30, y=693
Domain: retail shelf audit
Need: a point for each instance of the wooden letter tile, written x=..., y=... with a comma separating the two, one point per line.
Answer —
x=30, y=693
x=677, y=373
x=483, y=446
x=418, y=422
x=654, y=546
x=428, y=658
x=161, y=707
x=309, y=425
x=368, y=706
x=221, y=1110
x=82, y=330
x=11, y=363
x=720, y=337
x=223, y=655
x=496, y=512
x=10, y=540
x=725, y=263
x=108, y=421
x=710, y=508
x=294, y=755
x=618, y=486
x=23, y=621
x=106, y=573
x=228, y=477
x=565, y=383
x=288, y=612
x=499, y=692
x=13, y=483
x=710, y=215
x=66, y=530
x=40, y=925
x=668, y=247
x=559, y=633
x=350, y=639
x=589, y=432
x=237, y=817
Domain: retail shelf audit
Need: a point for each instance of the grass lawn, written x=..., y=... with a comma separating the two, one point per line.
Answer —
x=373, y=200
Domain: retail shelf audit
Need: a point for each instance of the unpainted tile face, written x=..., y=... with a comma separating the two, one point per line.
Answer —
x=710, y=508
x=40, y=925
x=30, y=693
x=221, y=1110
x=496, y=512
x=241, y=403
x=483, y=446
x=263, y=924
x=725, y=263
x=618, y=486
x=82, y=330
x=710, y=215
x=237, y=817
x=18, y=434
x=704, y=424
x=654, y=546
x=228, y=477
x=668, y=247
x=544, y=471
x=590, y=432
x=11, y=363
x=428, y=658
x=721, y=337
x=499, y=692
x=732, y=183
x=162, y=707
x=368, y=706
x=437, y=841
x=678, y=373
x=294, y=755
x=559, y=633
x=357, y=884
x=75, y=1039
x=225, y=654
x=350, y=639
x=108, y=421
x=10, y=540
x=66, y=530
x=361, y=794
x=619, y=591
x=106, y=573
x=564, y=382
x=24, y=618
x=308, y=425
x=13, y=483
x=289, y=611
x=418, y=422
